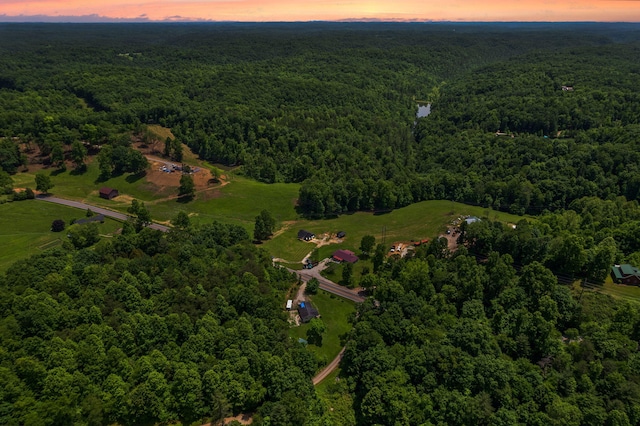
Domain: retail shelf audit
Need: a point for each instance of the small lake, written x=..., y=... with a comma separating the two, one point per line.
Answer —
x=423, y=110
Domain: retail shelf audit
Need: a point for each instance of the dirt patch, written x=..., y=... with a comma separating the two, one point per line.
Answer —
x=243, y=419
x=285, y=226
x=452, y=240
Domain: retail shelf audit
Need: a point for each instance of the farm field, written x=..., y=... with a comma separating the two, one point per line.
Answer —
x=426, y=219
x=25, y=228
x=334, y=312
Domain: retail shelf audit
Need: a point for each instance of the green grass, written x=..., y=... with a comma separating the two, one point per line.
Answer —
x=85, y=186
x=334, y=312
x=240, y=201
x=620, y=291
x=25, y=228
x=426, y=219
x=334, y=271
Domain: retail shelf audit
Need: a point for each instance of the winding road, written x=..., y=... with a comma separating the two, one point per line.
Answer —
x=95, y=209
x=328, y=285
x=338, y=290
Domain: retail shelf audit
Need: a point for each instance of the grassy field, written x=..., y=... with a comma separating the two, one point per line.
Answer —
x=240, y=201
x=85, y=186
x=426, y=219
x=25, y=228
x=334, y=312
x=619, y=291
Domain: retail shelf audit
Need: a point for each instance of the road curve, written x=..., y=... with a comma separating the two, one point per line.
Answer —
x=95, y=209
x=328, y=369
x=328, y=285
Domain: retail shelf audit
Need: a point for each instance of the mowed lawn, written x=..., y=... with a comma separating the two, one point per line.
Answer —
x=426, y=219
x=25, y=228
x=334, y=312
x=619, y=291
x=239, y=202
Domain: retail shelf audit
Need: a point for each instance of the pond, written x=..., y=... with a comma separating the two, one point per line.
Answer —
x=423, y=110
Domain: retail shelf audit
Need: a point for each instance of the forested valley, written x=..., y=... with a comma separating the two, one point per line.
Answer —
x=188, y=326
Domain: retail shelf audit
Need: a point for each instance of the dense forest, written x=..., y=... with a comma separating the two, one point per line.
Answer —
x=187, y=326
x=150, y=328
x=333, y=105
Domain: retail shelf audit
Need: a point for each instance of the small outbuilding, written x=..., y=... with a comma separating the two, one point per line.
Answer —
x=108, y=193
x=305, y=235
x=345, y=256
x=472, y=219
x=625, y=274
x=307, y=312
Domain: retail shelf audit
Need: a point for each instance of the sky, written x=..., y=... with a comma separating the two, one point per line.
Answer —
x=310, y=10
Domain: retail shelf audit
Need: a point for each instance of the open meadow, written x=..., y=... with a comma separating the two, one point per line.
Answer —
x=426, y=219
x=25, y=228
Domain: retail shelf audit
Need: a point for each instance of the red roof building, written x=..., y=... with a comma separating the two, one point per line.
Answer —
x=345, y=256
x=108, y=193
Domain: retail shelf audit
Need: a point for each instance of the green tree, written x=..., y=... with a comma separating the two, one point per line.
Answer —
x=167, y=148
x=187, y=187
x=141, y=214
x=177, y=150
x=6, y=183
x=378, y=257
x=57, y=155
x=78, y=155
x=105, y=163
x=315, y=331
x=347, y=274
x=264, y=226
x=43, y=182
x=137, y=162
x=181, y=221
x=57, y=225
x=312, y=286
x=84, y=235
x=367, y=244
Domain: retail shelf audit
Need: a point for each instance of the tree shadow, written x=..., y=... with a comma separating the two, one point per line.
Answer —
x=184, y=199
x=79, y=171
x=57, y=172
x=135, y=177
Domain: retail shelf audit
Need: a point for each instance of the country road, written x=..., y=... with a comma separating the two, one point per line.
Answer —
x=330, y=286
x=95, y=209
x=328, y=369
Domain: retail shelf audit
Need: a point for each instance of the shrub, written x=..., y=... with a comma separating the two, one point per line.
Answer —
x=58, y=225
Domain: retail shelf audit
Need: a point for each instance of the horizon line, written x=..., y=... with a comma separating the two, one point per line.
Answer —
x=99, y=19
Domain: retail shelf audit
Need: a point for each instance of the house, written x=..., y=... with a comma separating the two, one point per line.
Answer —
x=625, y=274
x=96, y=218
x=341, y=234
x=307, y=312
x=344, y=256
x=108, y=193
x=305, y=235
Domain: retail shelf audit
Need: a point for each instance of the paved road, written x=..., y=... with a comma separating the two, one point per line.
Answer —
x=328, y=369
x=328, y=285
x=95, y=209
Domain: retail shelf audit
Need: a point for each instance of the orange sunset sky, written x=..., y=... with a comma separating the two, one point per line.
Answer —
x=306, y=10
